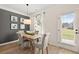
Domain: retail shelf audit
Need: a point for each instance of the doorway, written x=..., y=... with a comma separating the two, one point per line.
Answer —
x=68, y=35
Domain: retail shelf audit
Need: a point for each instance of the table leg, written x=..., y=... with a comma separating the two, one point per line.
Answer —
x=32, y=46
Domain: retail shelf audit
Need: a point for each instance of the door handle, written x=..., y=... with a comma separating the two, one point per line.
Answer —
x=77, y=32
x=76, y=29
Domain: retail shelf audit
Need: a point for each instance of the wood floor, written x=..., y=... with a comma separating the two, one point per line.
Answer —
x=15, y=49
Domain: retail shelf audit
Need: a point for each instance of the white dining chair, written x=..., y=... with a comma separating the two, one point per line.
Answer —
x=21, y=42
x=44, y=43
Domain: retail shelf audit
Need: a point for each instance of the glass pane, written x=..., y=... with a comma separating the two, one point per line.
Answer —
x=67, y=30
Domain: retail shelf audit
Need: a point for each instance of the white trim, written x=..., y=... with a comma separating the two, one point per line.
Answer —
x=70, y=42
x=65, y=46
x=12, y=10
x=8, y=42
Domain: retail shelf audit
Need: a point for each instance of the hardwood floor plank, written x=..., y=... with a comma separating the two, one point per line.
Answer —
x=13, y=48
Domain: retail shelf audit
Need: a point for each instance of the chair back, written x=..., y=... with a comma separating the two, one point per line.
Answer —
x=21, y=33
x=45, y=40
x=20, y=38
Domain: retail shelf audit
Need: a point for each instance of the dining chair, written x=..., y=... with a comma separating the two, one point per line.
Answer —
x=21, y=40
x=44, y=43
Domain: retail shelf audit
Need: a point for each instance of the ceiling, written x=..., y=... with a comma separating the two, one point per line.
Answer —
x=22, y=8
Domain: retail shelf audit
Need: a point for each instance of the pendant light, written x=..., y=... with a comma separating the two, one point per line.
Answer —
x=27, y=8
x=27, y=21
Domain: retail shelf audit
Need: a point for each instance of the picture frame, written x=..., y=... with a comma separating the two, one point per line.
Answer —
x=14, y=26
x=21, y=20
x=22, y=26
x=14, y=19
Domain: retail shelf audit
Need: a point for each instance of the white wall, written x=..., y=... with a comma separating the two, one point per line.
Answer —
x=51, y=22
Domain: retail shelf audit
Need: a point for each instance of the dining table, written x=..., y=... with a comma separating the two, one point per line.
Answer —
x=31, y=39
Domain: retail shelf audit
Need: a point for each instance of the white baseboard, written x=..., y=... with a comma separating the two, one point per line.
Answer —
x=65, y=46
x=8, y=42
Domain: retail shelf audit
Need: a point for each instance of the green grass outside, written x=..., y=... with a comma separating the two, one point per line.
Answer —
x=67, y=34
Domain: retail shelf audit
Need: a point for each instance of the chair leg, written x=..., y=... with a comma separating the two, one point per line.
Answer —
x=39, y=50
x=42, y=50
x=32, y=47
x=47, y=50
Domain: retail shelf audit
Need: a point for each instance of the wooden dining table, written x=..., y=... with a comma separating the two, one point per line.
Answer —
x=31, y=39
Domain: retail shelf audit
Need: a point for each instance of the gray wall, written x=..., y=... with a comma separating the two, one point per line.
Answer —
x=6, y=34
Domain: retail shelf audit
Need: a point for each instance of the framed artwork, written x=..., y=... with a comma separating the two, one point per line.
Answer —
x=21, y=20
x=14, y=26
x=22, y=26
x=14, y=19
